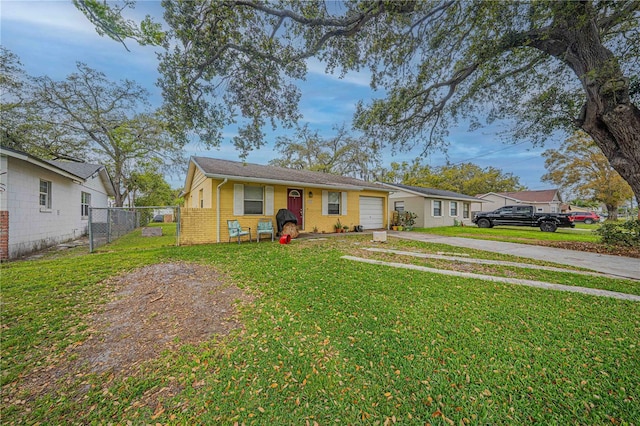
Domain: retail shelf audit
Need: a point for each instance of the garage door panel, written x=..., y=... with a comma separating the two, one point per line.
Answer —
x=372, y=212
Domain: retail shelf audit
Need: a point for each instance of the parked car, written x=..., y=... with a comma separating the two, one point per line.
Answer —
x=586, y=217
x=158, y=218
x=523, y=215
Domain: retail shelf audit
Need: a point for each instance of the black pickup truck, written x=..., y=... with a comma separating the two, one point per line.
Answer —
x=522, y=215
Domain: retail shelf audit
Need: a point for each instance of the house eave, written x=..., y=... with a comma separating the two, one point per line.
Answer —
x=444, y=197
x=107, y=182
x=32, y=160
x=189, y=177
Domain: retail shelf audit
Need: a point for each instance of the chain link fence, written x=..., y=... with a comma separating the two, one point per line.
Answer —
x=111, y=223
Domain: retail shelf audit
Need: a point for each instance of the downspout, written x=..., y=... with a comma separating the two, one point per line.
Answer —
x=218, y=209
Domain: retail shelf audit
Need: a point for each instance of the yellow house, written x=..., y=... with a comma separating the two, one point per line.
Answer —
x=219, y=190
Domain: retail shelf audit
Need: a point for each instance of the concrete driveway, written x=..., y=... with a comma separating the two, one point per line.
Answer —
x=623, y=267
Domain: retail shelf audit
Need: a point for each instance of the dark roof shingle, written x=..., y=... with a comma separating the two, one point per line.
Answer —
x=82, y=170
x=433, y=192
x=227, y=168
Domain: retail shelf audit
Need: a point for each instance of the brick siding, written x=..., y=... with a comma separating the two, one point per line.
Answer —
x=4, y=235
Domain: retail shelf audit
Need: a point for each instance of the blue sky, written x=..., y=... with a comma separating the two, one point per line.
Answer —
x=51, y=36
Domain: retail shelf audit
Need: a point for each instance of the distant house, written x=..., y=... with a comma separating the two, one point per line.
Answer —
x=545, y=201
x=219, y=190
x=43, y=203
x=434, y=207
x=574, y=208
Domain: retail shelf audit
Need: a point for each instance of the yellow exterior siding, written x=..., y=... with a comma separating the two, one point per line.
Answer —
x=325, y=223
x=199, y=226
x=200, y=182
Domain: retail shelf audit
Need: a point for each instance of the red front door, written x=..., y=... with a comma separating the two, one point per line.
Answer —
x=294, y=204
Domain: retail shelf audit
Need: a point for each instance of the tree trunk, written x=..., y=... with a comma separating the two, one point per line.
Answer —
x=608, y=115
x=612, y=212
x=616, y=130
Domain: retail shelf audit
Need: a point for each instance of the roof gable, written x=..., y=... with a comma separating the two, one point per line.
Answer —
x=216, y=168
x=540, y=196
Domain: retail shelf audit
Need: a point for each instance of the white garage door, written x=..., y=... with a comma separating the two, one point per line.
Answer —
x=371, y=212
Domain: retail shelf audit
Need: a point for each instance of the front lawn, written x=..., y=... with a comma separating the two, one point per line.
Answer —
x=329, y=341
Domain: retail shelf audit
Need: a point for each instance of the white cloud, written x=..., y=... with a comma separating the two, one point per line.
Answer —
x=57, y=15
x=361, y=78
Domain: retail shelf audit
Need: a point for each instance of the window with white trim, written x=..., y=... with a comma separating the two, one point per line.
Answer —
x=85, y=203
x=253, y=200
x=201, y=198
x=437, y=208
x=453, y=208
x=333, y=202
x=45, y=194
x=465, y=210
x=398, y=206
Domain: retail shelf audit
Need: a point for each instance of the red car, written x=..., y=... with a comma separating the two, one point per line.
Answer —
x=586, y=217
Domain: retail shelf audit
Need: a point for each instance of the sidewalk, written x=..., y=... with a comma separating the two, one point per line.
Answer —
x=623, y=267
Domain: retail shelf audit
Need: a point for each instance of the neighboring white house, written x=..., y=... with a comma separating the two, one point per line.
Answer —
x=43, y=203
x=434, y=207
x=545, y=201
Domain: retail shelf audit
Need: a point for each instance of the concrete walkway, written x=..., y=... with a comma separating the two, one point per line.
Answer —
x=623, y=267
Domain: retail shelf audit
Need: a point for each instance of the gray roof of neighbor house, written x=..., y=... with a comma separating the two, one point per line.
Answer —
x=83, y=170
x=69, y=169
x=248, y=172
x=430, y=192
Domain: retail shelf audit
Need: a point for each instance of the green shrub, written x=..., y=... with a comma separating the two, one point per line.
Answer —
x=407, y=219
x=620, y=234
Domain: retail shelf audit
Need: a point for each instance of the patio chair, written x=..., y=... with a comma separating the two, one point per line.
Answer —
x=236, y=231
x=265, y=226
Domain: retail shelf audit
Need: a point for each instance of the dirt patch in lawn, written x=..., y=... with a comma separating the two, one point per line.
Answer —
x=153, y=309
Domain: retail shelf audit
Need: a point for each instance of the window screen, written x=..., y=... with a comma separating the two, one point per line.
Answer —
x=85, y=203
x=333, y=205
x=45, y=194
x=253, y=199
x=437, y=208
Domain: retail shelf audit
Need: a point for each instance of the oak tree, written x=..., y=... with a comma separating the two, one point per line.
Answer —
x=13, y=102
x=551, y=65
x=23, y=122
x=580, y=167
x=107, y=122
x=342, y=154
x=148, y=187
x=464, y=178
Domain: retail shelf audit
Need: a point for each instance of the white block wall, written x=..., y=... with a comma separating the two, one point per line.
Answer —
x=30, y=227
